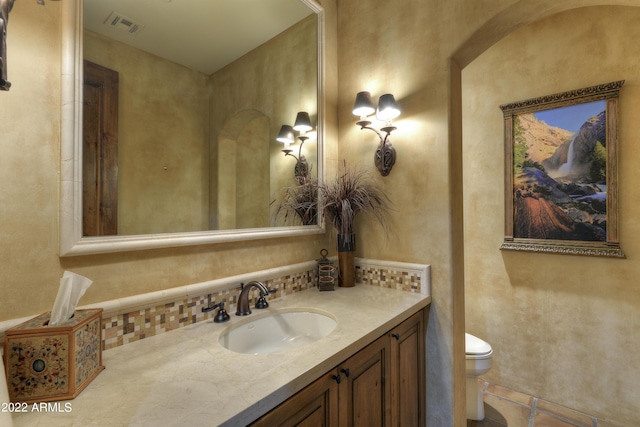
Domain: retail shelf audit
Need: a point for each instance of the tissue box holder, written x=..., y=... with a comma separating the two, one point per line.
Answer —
x=47, y=363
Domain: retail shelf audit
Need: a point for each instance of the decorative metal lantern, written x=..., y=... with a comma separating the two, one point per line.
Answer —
x=326, y=273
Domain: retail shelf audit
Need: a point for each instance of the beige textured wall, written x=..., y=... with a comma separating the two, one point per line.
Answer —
x=562, y=327
x=404, y=47
x=163, y=136
x=29, y=158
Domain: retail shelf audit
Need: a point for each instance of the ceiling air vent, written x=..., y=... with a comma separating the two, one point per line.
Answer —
x=122, y=23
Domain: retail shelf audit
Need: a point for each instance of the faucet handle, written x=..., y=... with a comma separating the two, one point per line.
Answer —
x=212, y=307
x=221, y=315
x=262, y=301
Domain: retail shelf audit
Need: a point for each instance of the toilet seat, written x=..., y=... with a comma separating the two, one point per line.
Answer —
x=475, y=348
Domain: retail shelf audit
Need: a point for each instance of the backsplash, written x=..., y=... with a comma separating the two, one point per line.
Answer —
x=410, y=281
x=134, y=318
x=136, y=325
x=394, y=275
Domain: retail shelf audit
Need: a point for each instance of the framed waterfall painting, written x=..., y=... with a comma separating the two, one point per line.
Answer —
x=561, y=189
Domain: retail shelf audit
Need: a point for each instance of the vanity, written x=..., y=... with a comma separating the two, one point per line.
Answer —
x=187, y=377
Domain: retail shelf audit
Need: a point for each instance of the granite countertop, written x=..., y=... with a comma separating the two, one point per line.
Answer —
x=185, y=377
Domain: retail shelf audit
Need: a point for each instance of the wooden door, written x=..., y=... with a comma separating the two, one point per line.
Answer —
x=100, y=151
x=364, y=389
x=314, y=406
x=408, y=372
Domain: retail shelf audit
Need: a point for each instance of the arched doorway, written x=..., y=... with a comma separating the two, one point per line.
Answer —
x=495, y=30
x=239, y=189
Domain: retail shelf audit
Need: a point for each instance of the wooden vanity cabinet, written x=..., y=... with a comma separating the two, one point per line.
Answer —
x=364, y=392
x=408, y=372
x=381, y=385
x=315, y=405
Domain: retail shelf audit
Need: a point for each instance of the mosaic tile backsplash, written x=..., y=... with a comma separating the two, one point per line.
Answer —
x=392, y=278
x=136, y=325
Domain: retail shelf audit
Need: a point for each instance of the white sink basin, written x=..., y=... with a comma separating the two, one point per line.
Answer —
x=277, y=331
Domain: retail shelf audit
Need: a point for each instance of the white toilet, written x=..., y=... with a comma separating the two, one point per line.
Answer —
x=478, y=355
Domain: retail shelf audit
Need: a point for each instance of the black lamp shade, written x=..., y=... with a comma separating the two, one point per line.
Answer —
x=303, y=122
x=286, y=135
x=387, y=108
x=363, y=106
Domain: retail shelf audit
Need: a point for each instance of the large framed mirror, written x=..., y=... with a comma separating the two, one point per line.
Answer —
x=169, y=123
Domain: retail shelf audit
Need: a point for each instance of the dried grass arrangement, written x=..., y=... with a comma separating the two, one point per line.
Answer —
x=353, y=191
x=300, y=204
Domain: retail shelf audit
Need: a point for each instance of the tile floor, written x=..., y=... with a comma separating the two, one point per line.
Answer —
x=508, y=408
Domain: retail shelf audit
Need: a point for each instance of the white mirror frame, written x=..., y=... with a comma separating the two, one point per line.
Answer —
x=72, y=242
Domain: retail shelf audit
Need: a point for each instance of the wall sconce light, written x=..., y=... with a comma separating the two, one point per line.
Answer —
x=286, y=135
x=387, y=111
x=5, y=8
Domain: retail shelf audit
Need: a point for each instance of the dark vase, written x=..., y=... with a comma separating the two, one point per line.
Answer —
x=346, y=263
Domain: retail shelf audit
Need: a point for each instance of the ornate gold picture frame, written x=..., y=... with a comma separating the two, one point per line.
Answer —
x=561, y=185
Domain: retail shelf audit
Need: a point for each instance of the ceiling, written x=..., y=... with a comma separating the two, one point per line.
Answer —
x=204, y=35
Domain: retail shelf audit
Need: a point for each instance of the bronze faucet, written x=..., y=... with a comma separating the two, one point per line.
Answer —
x=243, y=299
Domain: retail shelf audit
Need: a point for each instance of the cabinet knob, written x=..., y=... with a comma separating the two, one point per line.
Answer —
x=396, y=336
x=337, y=378
x=346, y=372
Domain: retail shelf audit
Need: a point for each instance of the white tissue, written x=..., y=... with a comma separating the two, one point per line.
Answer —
x=72, y=287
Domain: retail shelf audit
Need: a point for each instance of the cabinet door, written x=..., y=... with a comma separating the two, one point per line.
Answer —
x=316, y=405
x=408, y=372
x=364, y=389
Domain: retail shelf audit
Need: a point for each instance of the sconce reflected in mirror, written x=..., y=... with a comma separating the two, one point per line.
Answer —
x=5, y=8
x=387, y=110
x=286, y=135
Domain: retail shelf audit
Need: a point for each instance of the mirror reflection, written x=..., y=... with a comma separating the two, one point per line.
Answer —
x=182, y=104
